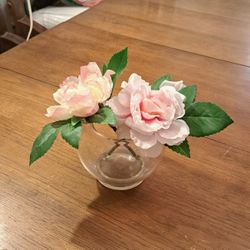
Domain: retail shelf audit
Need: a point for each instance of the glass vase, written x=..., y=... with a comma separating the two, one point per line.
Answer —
x=116, y=163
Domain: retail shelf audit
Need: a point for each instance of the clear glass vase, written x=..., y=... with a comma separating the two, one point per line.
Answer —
x=116, y=163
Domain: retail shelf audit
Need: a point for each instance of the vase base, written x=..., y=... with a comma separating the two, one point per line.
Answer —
x=120, y=170
x=120, y=188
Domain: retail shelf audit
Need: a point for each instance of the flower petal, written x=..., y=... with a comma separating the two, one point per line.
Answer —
x=58, y=113
x=83, y=105
x=124, y=98
x=109, y=73
x=85, y=111
x=70, y=81
x=142, y=140
x=175, y=134
x=89, y=70
x=178, y=85
x=179, y=105
x=119, y=110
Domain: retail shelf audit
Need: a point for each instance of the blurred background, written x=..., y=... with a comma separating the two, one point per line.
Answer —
x=15, y=17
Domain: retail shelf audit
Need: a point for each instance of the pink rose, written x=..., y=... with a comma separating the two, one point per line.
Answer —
x=75, y=99
x=80, y=96
x=150, y=118
x=99, y=85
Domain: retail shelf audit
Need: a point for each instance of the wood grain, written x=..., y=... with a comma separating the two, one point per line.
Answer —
x=221, y=82
x=167, y=23
x=197, y=203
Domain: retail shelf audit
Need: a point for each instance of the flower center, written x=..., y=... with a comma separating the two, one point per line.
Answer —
x=150, y=109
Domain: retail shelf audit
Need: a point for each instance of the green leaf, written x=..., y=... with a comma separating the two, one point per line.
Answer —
x=44, y=141
x=182, y=149
x=157, y=83
x=105, y=115
x=118, y=63
x=76, y=120
x=71, y=134
x=104, y=69
x=189, y=92
x=206, y=119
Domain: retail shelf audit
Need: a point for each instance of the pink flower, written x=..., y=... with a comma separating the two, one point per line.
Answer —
x=99, y=85
x=150, y=118
x=75, y=99
x=80, y=96
x=88, y=3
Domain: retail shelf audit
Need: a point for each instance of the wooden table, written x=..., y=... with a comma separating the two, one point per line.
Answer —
x=197, y=203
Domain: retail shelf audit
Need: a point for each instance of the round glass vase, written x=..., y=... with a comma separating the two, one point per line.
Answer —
x=116, y=163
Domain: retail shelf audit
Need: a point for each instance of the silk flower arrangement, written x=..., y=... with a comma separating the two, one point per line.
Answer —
x=149, y=117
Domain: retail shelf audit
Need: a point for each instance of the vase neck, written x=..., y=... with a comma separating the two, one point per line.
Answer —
x=124, y=143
